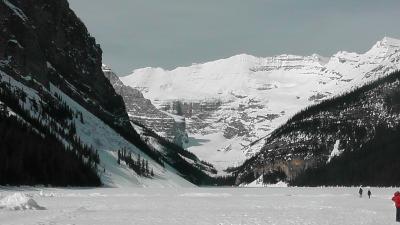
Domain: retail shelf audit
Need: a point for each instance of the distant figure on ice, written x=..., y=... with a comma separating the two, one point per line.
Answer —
x=396, y=199
x=369, y=193
x=360, y=192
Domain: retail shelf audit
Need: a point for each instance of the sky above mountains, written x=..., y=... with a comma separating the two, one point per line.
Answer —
x=170, y=33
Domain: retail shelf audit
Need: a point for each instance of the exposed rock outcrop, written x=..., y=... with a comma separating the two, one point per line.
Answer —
x=142, y=111
x=46, y=40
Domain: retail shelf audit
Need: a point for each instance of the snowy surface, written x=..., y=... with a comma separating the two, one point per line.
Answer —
x=94, y=132
x=19, y=201
x=259, y=182
x=257, y=94
x=214, y=206
x=335, y=152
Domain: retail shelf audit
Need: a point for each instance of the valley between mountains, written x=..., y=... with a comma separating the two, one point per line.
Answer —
x=222, y=111
x=66, y=119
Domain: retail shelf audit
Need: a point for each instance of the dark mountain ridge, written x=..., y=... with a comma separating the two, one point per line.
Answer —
x=322, y=144
x=46, y=52
x=51, y=83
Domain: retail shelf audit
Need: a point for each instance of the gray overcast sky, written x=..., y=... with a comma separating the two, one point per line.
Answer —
x=171, y=33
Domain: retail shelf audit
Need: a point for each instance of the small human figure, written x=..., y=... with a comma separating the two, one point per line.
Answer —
x=369, y=193
x=360, y=192
x=396, y=199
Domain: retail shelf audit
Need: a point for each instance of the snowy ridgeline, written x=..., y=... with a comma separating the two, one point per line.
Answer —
x=267, y=206
x=255, y=95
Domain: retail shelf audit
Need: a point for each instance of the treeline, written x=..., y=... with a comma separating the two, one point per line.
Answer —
x=376, y=163
x=354, y=118
x=139, y=165
x=28, y=158
x=52, y=130
x=112, y=113
x=371, y=146
x=347, y=98
x=273, y=177
x=268, y=177
x=195, y=173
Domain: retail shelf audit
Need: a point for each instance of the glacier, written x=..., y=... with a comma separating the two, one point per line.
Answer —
x=231, y=105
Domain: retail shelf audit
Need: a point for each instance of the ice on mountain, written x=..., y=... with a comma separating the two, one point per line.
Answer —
x=280, y=83
x=335, y=152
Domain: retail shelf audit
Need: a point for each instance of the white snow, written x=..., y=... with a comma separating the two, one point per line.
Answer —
x=19, y=201
x=206, y=206
x=94, y=132
x=251, y=88
x=259, y=182
x=16, y=10
x=335, y=152
x=50, y=66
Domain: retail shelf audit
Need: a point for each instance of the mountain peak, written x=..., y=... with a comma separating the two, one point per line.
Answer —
x=384, y=47
x=388, y=41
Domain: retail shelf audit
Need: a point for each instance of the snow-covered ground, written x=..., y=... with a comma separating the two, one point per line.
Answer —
x=279, y=206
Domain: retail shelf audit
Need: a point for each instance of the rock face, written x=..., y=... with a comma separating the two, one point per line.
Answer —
x=142, y=111
x=340, y=127
x=231, y=104
x=46, y=40
x=51, y=80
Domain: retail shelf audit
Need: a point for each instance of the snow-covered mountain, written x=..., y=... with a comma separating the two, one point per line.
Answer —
x=51, y=81
x=166, y=136
x=350, y=139
x=141, y=110
x=230, y=104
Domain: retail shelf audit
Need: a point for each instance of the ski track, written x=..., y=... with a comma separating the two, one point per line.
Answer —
x=203, y=206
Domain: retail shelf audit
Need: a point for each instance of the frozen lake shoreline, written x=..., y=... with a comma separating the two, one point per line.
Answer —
x=279, y=206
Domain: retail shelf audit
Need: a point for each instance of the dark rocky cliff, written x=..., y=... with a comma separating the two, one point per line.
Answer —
x=46, y=40
x=43, y=42
x=48, y=63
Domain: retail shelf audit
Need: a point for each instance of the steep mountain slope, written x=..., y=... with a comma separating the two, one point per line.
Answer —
x=39, y=158
x=52, y=81
x=143, y=114
x=231, y=104
x=348, y=140
x=141, y=110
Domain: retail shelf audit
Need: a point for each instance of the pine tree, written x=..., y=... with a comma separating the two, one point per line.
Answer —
x=81, y=118
x=143, y=166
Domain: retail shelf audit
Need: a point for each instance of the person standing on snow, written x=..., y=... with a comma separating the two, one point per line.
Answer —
x=369, y=193
x=360, y=192
x=396, y=199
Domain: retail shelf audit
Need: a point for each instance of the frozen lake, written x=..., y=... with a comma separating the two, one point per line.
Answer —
x=217, y=206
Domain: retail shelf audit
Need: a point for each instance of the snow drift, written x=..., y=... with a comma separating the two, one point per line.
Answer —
x=19, y=201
